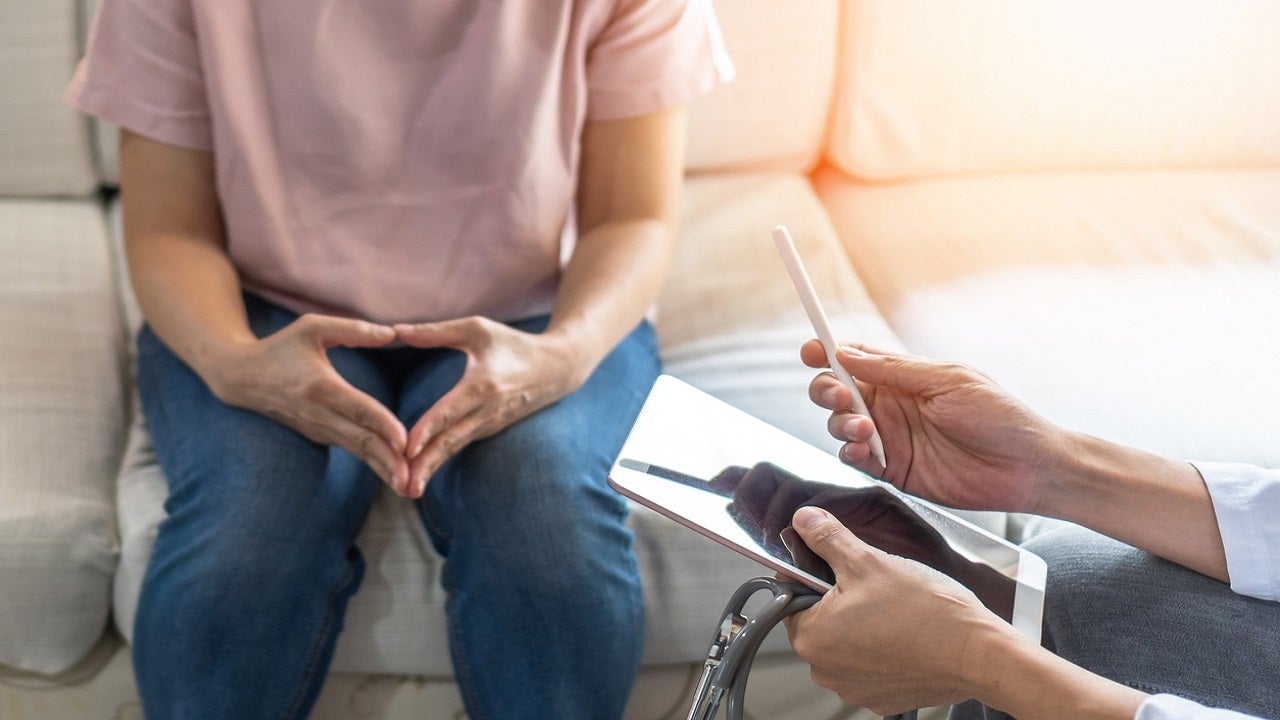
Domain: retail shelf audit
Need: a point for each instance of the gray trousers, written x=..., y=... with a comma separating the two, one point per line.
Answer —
x=1153, y=625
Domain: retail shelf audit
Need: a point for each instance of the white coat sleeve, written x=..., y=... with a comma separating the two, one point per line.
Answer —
x=1246, y=500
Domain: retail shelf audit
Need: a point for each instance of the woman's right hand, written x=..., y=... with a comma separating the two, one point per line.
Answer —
x=287, y=377
x=950, y=433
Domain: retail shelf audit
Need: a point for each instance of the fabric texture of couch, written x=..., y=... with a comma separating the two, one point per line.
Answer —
x=1080, y=198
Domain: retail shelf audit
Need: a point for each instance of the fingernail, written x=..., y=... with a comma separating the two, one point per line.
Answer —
x=829, y=397
x=850, y=428
x=808, y=517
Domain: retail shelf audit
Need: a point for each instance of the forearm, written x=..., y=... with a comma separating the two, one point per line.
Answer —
x=1008, y=672
x=174, y=237
x=1153, y=503
x=610, y=282
x=190, y=294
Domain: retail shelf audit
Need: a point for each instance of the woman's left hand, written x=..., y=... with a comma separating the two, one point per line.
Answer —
x=510, y=374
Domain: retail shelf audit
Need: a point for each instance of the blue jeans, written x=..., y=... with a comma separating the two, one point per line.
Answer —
x=253, y=567
x=1153, y=625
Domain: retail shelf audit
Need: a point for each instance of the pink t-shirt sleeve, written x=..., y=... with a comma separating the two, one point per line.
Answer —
x=142, y=71
x=653, y=55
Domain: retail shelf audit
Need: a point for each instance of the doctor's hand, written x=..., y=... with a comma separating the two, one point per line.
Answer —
x=951, y=434
x=892, y=635
x=287, y=377
x=510, y=374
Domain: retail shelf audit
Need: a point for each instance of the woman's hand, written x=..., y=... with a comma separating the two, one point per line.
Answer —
x=892, y=635
x=287, y=377
x=510, y=374
x=951, y=434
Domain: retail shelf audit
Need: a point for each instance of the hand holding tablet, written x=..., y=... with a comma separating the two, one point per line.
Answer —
x=818, y=318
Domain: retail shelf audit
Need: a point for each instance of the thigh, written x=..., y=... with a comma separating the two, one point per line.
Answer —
x=548, y=470
x=1156, y=626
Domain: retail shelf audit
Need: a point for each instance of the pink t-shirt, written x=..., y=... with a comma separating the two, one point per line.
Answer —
x=390, y=159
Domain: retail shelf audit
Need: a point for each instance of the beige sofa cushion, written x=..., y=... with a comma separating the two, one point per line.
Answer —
x=61, y=419
x=930, y=88
x=773, y=114
x=44, y=146
x=1140, y=307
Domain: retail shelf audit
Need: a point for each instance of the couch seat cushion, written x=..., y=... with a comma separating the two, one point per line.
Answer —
x=61, y=418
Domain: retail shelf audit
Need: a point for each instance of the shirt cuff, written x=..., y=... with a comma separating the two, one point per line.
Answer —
x=1171, y=707
x=183, y=129
x=1246, y=502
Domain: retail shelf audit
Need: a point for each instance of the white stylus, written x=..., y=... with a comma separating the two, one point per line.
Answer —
x=809, y=298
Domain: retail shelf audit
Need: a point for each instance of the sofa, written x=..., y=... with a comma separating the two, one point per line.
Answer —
x=1081, y=198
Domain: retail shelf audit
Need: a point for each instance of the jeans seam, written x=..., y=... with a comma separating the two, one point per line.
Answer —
x=313, y=658
x=462, y=671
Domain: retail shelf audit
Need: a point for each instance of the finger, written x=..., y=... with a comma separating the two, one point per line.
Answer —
x=458, y=403
x=332, y=331
x=368, y=413
x=850, y=427
x=458, y=333
x=828, y=392
x=919, y=376
x=813, y=354
x=858, y=454
x=825, y=535
x=388, y=464
x=444, y=446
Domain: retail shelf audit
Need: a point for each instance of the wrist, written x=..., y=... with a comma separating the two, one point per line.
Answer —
x=217, y=362
x=982, y=672
x=576, y=358
x=1014, y=675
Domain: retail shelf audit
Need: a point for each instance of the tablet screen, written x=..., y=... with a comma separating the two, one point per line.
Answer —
x=760, y=501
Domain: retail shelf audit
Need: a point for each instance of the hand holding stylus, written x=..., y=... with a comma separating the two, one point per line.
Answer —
x=954, y=435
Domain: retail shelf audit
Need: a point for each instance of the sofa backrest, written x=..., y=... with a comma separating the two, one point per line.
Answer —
x=45, y=146
x=969, y=86
x=773, y=116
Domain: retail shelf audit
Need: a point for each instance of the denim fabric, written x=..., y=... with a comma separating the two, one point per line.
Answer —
x=252, y=569
x=1154, y=625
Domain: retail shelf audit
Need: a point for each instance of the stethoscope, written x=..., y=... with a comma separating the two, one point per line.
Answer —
x=738, y=638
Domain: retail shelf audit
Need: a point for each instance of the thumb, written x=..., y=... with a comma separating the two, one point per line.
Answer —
x=918, y=376
x=333, y=331
x=832, y=541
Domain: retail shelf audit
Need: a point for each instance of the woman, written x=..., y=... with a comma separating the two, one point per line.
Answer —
x=344, y=224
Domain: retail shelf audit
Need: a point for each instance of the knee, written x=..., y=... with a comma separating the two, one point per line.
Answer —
x=1103, y=596
x=546, y=526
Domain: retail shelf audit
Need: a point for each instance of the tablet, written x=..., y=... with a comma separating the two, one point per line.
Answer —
x=737, y=480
